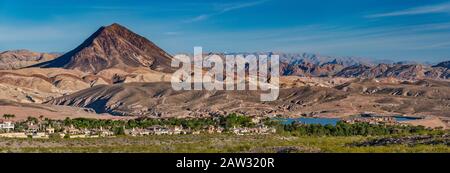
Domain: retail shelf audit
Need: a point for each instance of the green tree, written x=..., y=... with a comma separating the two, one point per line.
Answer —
x=119, y=131
x=236, y=120
x=32, y=119
x=8, y=116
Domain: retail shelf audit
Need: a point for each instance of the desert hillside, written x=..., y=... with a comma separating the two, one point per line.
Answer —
x=17, y=59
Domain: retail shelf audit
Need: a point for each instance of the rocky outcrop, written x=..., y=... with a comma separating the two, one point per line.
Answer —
x=17, y=59
x=160, y=100
x=399, y=71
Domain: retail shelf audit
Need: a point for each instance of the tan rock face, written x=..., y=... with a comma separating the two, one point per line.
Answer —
x=23, y=58
x=38, y=85
x=35, y=85
x=23, y=95
x=295, y=81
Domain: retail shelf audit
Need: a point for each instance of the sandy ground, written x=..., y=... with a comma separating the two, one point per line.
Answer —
x=432, y=122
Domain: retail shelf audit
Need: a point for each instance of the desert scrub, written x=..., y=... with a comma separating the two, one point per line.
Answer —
x=206, y=143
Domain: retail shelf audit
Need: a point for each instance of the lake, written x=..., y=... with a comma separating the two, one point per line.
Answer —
x=400, y=119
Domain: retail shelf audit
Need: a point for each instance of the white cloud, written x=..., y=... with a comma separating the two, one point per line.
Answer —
x=198, y=18
x=242, y=5
x=172, y=33
x=225, y=8
x=429, y=9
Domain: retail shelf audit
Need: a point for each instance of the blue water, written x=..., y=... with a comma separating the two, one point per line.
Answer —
x=322, y=121
x=400, y=119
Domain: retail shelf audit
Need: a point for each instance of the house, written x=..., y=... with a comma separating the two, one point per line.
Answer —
x=372, y=119
x=158, y=130
x=130, y=132
x=219, y=129
x=256, y=120
x=212, y=129
x=7, y=125
x=137, y=132
x=105, y=132
x=72, y=130
x=240, y=131
x=87, y=132
x=49, y=130
x=177, y=130
x=32, y=129
x=261, y=129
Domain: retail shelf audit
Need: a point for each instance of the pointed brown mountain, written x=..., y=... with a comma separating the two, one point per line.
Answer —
x=113, y=46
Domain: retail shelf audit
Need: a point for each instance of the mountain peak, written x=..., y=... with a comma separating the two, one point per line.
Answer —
x=114, y=27
x=114, y=46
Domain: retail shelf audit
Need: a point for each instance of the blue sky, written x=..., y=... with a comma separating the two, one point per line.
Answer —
x=383, y=29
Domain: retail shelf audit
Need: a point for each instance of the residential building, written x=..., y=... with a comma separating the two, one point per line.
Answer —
x=7, y=125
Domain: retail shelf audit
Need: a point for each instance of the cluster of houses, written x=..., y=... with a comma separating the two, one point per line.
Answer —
x=372, y=119
x=39, y=131
x=156, y=130
x=73, y=132
x=177, y=130
x=260, y=129
x=46, y=131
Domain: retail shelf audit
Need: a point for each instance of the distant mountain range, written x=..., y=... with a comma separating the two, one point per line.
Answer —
x=111, y=55
x=313, y=65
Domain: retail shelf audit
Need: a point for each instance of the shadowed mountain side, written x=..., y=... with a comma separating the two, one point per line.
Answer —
x=160, y=100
